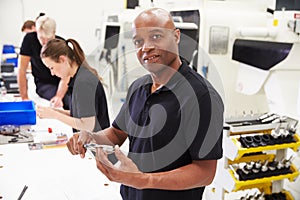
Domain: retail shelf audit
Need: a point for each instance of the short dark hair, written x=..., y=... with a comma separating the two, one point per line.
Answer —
x=28, y=25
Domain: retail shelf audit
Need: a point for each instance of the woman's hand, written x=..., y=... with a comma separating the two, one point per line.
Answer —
x=45, y=112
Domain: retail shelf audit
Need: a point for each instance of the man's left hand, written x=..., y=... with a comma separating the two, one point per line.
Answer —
x=121, y=172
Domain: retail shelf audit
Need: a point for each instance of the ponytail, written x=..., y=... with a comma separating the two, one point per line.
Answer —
x=70, y=48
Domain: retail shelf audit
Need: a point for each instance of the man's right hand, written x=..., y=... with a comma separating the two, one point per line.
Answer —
x=76, y=142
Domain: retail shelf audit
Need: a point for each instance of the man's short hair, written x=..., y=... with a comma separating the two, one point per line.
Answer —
x=47, y=25
x=28, y=25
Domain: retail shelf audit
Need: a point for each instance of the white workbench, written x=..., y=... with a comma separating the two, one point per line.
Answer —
x=50, y=174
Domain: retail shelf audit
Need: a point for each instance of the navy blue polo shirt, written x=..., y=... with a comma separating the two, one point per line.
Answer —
x=168, y=129
x=32, y=47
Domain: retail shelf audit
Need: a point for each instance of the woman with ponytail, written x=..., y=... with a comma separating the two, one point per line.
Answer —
x=88, y=105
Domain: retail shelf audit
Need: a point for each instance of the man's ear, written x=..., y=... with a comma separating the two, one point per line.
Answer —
x=177, y=35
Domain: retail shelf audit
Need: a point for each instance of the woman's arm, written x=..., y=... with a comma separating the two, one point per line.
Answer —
x=84, y=123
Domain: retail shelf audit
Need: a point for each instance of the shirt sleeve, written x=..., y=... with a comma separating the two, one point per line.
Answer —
x=83, y=99
x=120, y=120
x=26, y=46
x=207, y=142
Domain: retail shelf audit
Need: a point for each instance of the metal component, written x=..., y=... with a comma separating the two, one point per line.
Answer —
x=258, y=164
x=276, y=132
x=272, y=166
x=106, y=148
x=9, y=129
x=282, y=162
x=280, y=119
x=264, y=116
x=260, y=196
x=244, y=197
x=255, y=170
x=284, y=132
x=291, y=128
x=264, y=168
x=287, y=164
x=242, y=124
x=13, y=140
x=249, y=165
x=245, y=170
x=270, y=119
x=234, y=172
x=253, y=197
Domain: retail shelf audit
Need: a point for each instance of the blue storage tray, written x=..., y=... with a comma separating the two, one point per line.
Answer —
x=17, y=113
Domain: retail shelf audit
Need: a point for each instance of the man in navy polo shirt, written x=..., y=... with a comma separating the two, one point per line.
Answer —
x=172, y=117
x=48, y=87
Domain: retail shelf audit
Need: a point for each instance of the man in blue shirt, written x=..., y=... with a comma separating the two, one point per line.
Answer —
x=172, y=117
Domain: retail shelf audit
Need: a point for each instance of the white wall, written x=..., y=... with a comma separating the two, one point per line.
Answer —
x=79, y=19
x=232, y=14
x=235, y=14
x=10, y=22
x=75, y=18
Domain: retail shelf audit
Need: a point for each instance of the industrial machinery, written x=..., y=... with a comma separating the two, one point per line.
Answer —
x=116, y=59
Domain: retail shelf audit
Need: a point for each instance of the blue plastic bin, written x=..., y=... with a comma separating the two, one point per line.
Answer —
x=10, y=49
x=17, y=113
x=12, y=60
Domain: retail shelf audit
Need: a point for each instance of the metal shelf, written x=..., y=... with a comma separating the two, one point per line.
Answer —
x=249, y=158
x=288, y=195
x=251, y=124
x=242, y=151
x=262, y=182
x=235, y=153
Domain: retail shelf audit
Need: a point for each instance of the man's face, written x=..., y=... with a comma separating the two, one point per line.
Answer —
x=156, y=47
x=44, y=38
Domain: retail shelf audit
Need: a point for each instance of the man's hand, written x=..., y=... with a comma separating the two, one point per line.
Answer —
x=56, y=102
x=122, y=172
x=76, y=142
